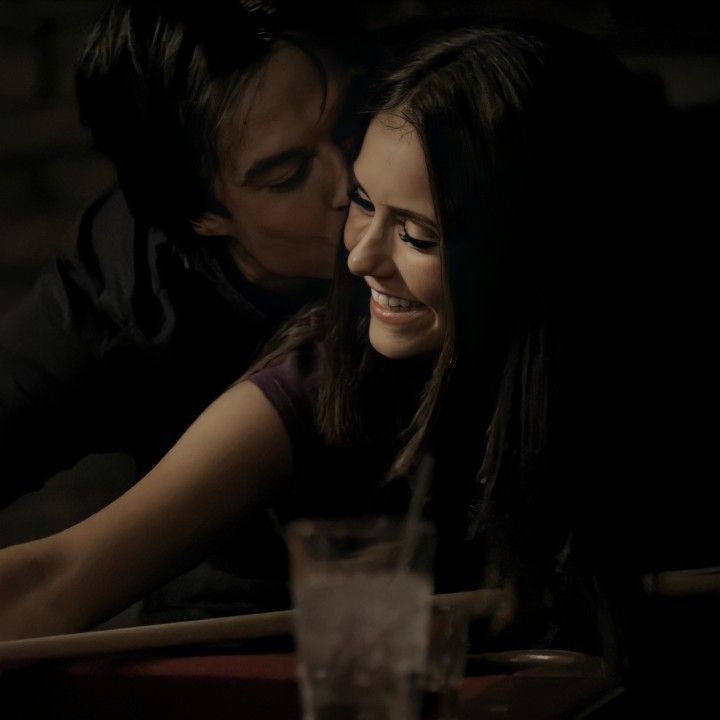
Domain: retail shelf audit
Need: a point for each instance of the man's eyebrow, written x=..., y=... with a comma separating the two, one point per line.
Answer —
x=402, y=212
x=260, y=167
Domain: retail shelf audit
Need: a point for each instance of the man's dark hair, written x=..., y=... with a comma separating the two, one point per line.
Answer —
x=155, y=82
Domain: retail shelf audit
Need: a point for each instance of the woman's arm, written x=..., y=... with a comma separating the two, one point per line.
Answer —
x=230, y=461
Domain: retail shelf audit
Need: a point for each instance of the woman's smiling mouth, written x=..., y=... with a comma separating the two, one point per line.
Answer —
x=394, y=303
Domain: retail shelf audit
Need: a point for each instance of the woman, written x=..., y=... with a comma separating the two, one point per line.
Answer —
x=475, y=321
x=499, y=304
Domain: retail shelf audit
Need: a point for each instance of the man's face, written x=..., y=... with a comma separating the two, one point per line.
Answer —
x=283, y=179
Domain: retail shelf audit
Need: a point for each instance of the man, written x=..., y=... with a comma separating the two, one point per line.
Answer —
x=221, y=118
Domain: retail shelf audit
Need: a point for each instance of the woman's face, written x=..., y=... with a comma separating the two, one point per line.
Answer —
x=393, y=239
x=283, y=179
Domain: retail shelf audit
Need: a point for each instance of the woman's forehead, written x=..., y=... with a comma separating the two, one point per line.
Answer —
x=391, y=165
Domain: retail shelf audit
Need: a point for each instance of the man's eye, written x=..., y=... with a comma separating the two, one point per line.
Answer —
x=296, y=179
x=360, y=201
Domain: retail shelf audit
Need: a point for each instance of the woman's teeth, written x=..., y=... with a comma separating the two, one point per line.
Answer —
x=394, y=303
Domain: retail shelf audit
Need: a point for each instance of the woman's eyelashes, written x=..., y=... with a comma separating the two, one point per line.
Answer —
x=416, y=242
x=363, y=203
x=296, y=178
x=367, y=207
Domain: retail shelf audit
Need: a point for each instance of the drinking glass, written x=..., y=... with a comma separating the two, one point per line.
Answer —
x=447, y=657
x=362, y=591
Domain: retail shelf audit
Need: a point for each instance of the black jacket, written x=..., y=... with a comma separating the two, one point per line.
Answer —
x=118, y=347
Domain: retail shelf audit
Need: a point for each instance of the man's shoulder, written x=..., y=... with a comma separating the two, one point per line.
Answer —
x=109, y=227
x=118, y=251
x=121, y=266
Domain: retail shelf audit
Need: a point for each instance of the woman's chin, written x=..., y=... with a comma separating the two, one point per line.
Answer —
x=401, y=347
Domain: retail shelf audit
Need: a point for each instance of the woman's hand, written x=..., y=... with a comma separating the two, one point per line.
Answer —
x=230, y=461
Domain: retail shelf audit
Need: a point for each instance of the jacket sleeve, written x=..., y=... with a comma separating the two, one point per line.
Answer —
x=60, y=349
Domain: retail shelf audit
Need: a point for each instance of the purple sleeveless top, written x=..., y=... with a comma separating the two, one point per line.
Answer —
x=329, y=480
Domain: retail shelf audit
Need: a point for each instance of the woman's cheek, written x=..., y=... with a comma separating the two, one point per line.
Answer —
x=431, y=275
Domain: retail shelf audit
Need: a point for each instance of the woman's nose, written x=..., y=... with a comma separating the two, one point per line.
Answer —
x=369, y=250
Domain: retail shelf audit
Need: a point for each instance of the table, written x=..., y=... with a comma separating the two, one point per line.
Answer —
x=224, y=685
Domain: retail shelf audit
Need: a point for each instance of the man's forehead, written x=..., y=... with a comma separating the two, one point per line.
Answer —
x=282, y=107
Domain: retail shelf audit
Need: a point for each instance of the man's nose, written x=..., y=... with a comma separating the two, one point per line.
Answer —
x=339, y=182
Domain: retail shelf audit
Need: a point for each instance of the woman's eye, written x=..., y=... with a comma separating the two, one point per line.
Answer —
x=296, y=179
x=360, y=201
x=416, y=242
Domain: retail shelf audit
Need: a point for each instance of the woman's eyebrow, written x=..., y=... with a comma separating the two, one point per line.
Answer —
x=417, y=217
x=262, y=166
x=354, y=181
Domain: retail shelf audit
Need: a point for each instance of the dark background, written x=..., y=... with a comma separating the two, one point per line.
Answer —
x=48, y=170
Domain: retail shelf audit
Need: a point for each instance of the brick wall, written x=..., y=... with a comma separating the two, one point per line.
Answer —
x=48, y=170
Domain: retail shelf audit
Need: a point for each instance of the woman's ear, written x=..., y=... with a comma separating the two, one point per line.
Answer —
x=211, y=224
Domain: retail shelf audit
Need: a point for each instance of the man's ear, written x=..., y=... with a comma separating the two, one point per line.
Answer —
x=211, y=224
